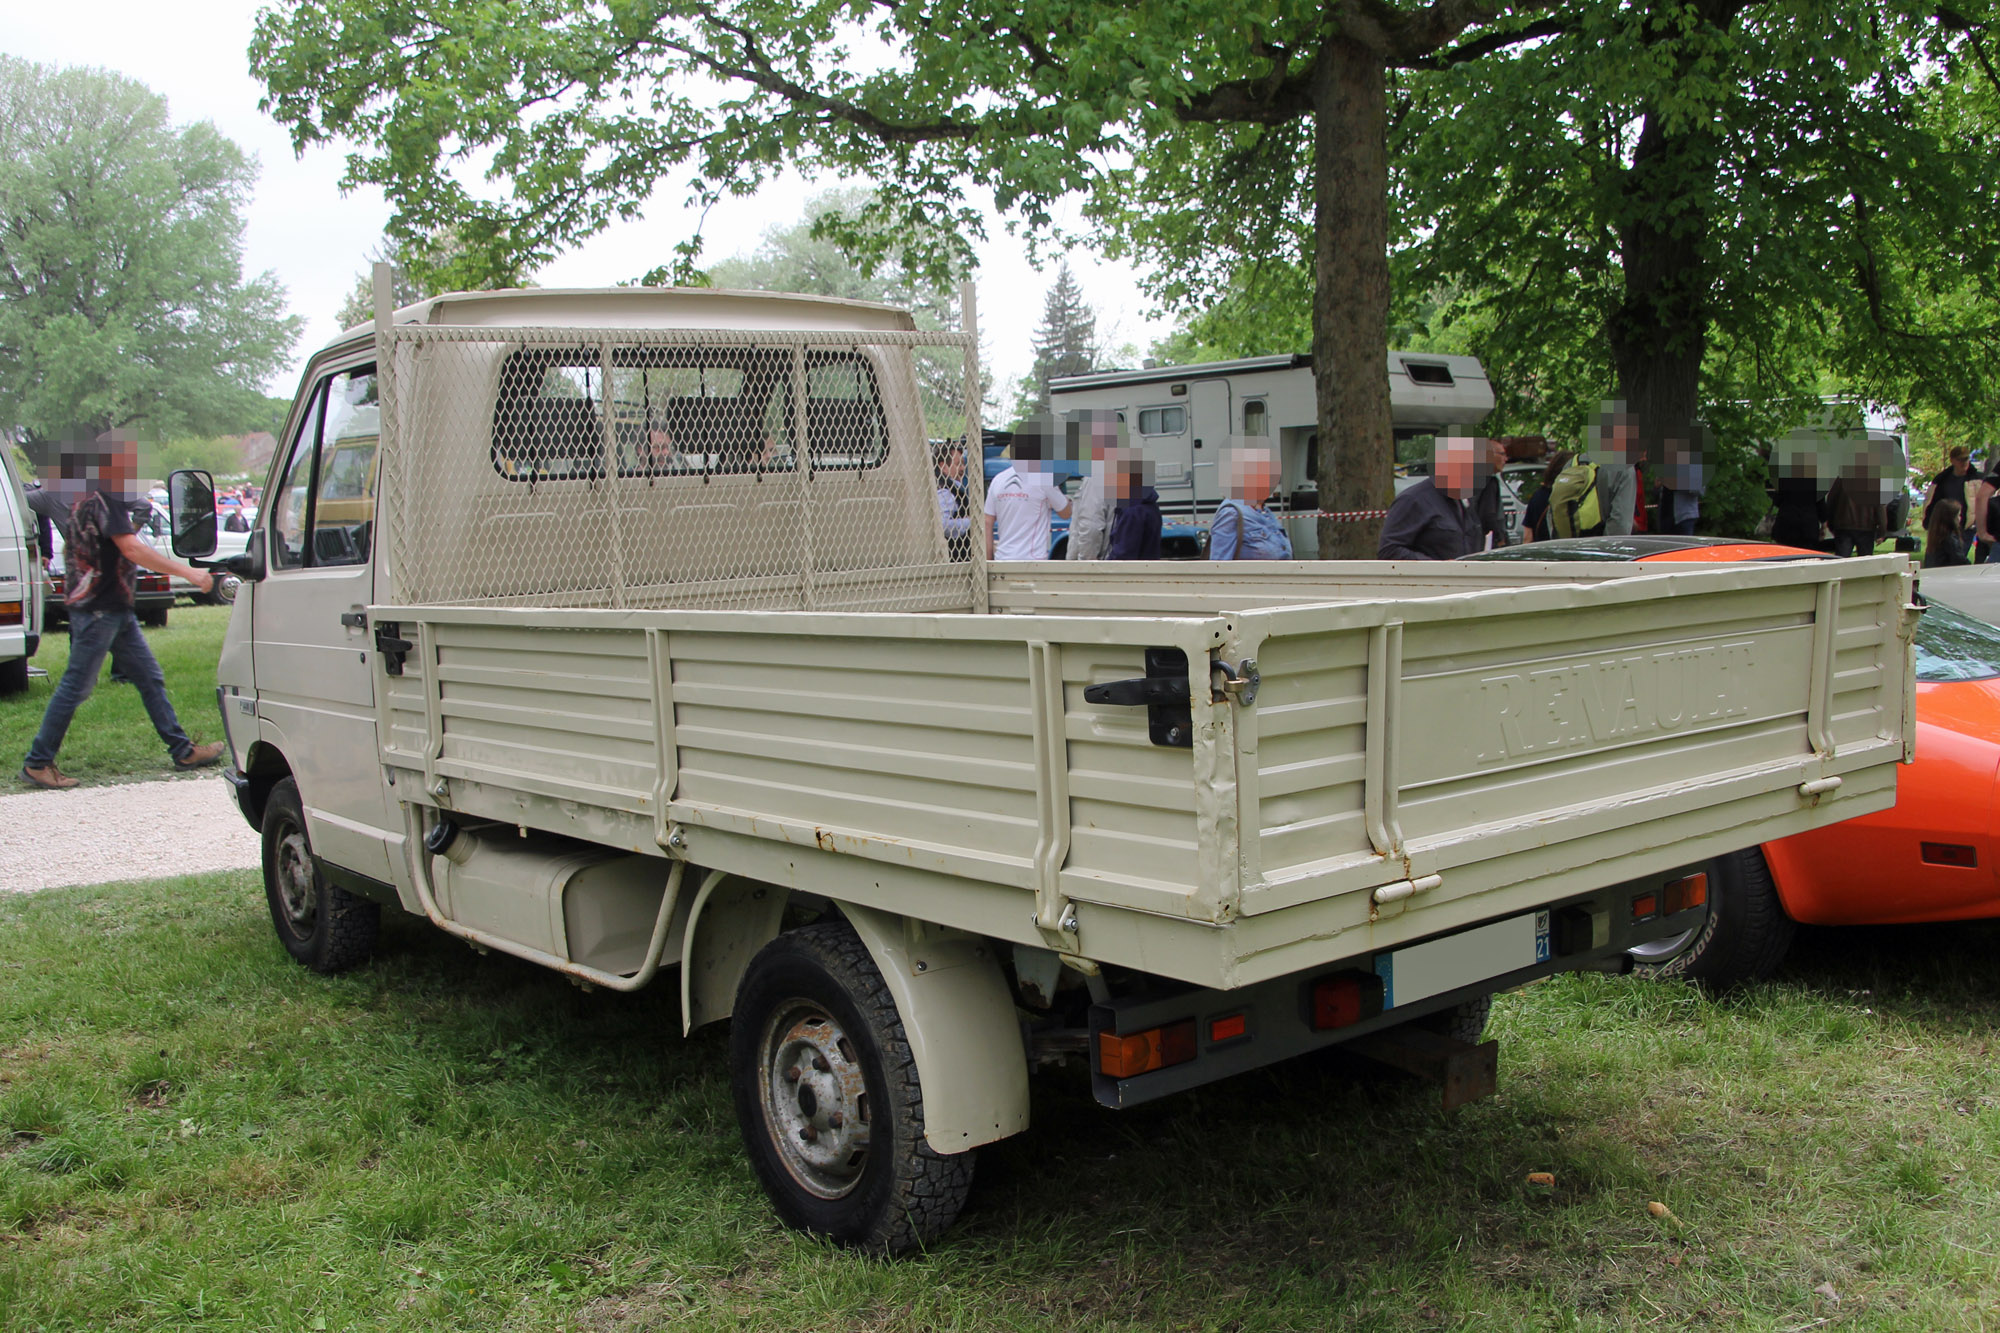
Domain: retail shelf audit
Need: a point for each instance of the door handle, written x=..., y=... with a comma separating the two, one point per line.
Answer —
x=354, y=619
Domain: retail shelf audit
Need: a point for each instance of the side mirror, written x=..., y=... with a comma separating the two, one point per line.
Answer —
x=191, y=497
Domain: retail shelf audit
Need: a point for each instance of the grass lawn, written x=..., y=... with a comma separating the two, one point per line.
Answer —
x=197, y=1134
x=111, y=739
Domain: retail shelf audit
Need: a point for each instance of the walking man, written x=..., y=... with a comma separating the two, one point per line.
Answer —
x=101, y=553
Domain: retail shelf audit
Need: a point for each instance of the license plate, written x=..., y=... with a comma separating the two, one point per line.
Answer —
x=1434, y=967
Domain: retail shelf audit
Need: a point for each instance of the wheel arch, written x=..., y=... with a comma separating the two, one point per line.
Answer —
x=264, y=767
x=959, y=1015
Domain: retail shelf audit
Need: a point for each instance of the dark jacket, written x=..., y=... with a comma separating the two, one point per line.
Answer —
x=1492, y=518
x=1855, y=507
x=1135, y=532
x=1426, y=524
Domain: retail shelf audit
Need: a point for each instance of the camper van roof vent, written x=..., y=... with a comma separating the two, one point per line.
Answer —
x=1428, y=372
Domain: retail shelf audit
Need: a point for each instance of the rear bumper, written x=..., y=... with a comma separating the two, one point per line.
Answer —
x=246, y=804
x=1589, y=933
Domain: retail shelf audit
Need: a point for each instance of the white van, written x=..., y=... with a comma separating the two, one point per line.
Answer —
x=20, y=581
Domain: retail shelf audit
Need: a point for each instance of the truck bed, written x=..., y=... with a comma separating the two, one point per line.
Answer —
x=1427, y=746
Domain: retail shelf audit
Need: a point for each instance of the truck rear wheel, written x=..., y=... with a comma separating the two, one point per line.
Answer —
x=320, y=924
x=828, y=1100
x=1742, y=939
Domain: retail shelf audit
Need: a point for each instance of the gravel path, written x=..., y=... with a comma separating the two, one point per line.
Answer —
x=136, y=830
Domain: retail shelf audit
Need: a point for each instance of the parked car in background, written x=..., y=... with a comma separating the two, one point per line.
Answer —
x=1934, y=856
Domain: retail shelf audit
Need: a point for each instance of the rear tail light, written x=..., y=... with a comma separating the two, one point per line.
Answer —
x=1144, y=1052
x=1228, y=1028
x=1684, y=893
x=1645, y=906
x=1344, y=999
x=10, y=613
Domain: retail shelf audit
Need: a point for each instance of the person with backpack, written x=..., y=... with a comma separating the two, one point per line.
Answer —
x=1241, y=528
x=101, y=553
x=1436, y=518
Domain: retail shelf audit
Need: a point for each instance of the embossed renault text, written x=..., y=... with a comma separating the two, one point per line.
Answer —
x=1620, y=698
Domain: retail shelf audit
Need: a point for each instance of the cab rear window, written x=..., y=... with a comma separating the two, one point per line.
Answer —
x=682, y=411
x=1953, y=646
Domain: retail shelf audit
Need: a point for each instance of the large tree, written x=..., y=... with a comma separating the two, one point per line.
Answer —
x=1712, y=207
x=580, y=110
x=122, y=297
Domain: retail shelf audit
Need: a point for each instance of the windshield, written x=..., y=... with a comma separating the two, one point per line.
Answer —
x=1953, y=646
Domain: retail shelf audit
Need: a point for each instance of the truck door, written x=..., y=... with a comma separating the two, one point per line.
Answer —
x=315, y=686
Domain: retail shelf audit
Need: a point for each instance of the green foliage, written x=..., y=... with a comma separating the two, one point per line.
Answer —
x=221, y=456
x=416, y=265
x=124, y=302
x=1826, y=172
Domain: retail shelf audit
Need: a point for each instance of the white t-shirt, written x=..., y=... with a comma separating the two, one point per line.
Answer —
x=1022, y=503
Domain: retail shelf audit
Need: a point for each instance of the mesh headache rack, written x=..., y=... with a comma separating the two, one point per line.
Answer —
x=721, y=469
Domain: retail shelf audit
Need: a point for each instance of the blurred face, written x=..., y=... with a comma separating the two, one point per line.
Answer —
x=1455, y=465
x=659, y=446
x=1252, y=474
x=954, y=465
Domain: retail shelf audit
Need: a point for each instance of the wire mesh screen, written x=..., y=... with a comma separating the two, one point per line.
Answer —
x=712, y=469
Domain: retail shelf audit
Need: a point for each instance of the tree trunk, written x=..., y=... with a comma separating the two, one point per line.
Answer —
x=1350, y=309
x=1659, y=333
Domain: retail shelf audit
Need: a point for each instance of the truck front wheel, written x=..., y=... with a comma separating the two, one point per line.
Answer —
x=1741, y=940
x=320, y=924
x=828, y=1100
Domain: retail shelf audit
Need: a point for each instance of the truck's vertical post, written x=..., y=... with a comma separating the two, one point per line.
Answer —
x=1048, y=709
x=391, y=480
x=802, y=469
x=611, y=500
x=1825, y=643
x=1378, y=800
x=975, y=449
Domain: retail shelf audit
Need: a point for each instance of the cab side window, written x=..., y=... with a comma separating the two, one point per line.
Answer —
x=343, y=517
x=323, y=507
x=289, y=500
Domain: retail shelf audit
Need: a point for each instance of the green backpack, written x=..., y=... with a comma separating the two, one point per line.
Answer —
x=1575, y=508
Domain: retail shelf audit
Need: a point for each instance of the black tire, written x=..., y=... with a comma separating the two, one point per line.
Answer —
x=319, y=923
x=1464, y=1021
x=154, y=616
x=816, y=1046
x=13, y=675
x=1742, y=939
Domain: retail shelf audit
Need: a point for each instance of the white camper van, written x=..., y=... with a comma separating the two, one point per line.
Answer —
x=20, y=581
x=1182, y=416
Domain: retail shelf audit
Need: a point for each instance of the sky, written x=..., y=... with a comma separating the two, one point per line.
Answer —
x=300, y=227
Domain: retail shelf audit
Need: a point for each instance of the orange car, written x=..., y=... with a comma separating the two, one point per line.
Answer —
x=1933, y=856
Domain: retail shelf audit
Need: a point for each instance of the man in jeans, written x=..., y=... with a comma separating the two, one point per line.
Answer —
x=101, y=620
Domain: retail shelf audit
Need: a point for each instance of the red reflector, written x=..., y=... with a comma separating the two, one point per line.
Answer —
x=1228, y=1029
x=1935, y=853
x=1684, y=893
x=1344, y=1000
x=1644, y=906
x=10, y=613
x=1143, y=1052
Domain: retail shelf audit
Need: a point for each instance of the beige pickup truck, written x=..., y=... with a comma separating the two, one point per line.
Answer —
x=620, y=631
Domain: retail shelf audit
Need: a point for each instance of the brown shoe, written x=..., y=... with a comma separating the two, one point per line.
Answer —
x=50, y=778
x=201, y=756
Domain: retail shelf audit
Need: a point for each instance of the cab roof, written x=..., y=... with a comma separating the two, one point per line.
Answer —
x=644, y=308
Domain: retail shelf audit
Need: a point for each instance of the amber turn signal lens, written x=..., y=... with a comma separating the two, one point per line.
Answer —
x=1645, y=907
x=10, y=613
x=1144, y=1052
x=1684, y=893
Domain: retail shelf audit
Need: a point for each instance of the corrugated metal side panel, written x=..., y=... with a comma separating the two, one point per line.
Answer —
x=1132, y=805
x=557, y=711
x=928, y=742
x=1312, y=716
